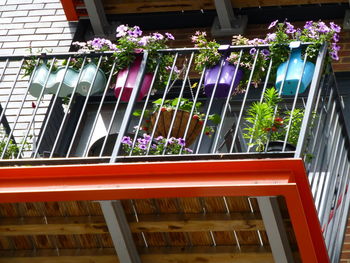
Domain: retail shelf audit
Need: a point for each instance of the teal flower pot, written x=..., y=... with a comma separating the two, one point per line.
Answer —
x=70, y=80
x=294, y=74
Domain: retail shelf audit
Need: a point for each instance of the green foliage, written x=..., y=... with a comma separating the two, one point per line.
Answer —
x=32, y=62
x=260, y=119
x=263, y=123
x=247, y=61
x=315, y=33
x=208, y=55
x=296, y=118
x=13, y=148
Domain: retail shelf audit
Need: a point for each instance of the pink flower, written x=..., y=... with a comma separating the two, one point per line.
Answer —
x=272, y=24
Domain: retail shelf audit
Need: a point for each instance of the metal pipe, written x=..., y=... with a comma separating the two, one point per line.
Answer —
x=129, y=109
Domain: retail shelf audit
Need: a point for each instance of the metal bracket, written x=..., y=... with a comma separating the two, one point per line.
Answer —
x=275, y=229
x=120, y=232
x=226, y=23
x=346, y=24
x=97, y=16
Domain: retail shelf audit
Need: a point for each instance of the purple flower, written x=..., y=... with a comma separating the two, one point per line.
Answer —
x=308, y=24
x=133, y=34
x=271, y=37
x=194, y=38
x=176, y=70
x=336, y=37
x=265, y=52
x=290, y=28
x=158, y=36
x=146, y=137
x=96, y=43
x=137, y=31
x=153, y=146
x=121, y=30
x=323, y=28
x=159, y=138
x=334, y=55
x=335, y=47
x=143, y=41
x=170, y=36
x=127, y=140
x=188, y=150
x=143, y=147
x=181, y=141
x=312, y=34
x=335, y=27
x=132, y=39
x=252, y=51
x=142, y=141
x=272, y=24
x=113, y=47
x=172, y=140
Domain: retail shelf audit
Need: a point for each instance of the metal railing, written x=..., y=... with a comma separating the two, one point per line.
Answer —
x=71, y=121
x=327, y=163
x=50, y=122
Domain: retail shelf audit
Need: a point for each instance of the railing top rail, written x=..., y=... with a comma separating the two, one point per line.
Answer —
x=224, y=48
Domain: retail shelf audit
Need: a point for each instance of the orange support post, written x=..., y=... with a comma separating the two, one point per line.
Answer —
x=70, y=10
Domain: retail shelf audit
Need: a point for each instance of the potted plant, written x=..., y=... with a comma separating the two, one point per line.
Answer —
x=12, y=149
x=266, y=123
x=157, y=147
x=70, y=77
x=285, y=34
x=209, y=58
x=166, y=112
x=130, y=44
x=247, y=61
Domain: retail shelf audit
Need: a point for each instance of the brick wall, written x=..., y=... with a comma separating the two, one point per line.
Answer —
x=28, y=24
x=345, y=257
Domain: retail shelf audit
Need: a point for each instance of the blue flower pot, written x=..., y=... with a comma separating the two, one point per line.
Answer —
x=70, y=80
x=294, y=74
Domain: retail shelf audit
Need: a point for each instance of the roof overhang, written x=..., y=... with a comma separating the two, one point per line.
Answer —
x=271, y=177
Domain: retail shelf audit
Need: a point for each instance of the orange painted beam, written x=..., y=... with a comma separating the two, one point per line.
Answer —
x=268, y=177
x=70, y=10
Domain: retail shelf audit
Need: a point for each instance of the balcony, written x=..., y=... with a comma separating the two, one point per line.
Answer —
x=51, y=123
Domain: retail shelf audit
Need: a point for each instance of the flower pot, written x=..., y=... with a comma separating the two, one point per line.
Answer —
x=227, y=73
x=70, y=80
x=277, y=146
x=129, y=81
x=179, y=127
x=294, y=74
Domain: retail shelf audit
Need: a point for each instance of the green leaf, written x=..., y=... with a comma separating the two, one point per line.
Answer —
x=215, y=118
x=137, y=113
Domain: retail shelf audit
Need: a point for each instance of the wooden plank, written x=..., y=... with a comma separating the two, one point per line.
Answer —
x=197, y=223
x=147, y=223
x=157, y=255
x=125, y=7
x=53, y=226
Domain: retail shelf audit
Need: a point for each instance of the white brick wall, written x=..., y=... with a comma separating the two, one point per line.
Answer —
x=28, y=24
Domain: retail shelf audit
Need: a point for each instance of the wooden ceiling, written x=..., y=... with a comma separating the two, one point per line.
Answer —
x=151, y=6
x=208, y=229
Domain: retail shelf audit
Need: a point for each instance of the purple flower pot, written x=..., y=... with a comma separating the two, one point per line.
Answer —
x=128, y=80
x=225, y=80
